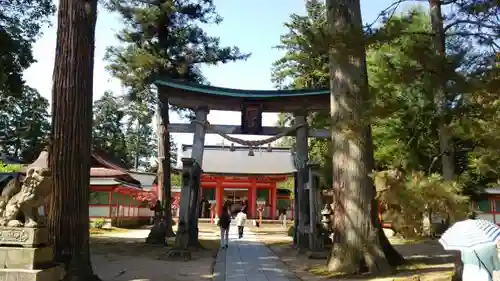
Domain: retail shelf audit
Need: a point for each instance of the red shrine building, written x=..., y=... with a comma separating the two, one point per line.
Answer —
x=235, y=174
x=119, y=196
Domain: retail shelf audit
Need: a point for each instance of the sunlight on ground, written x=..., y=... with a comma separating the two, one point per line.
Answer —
x=426, y=261
x=408, y=272
x=396, y=240
x=123, y=255
x=100, y=231
x=130, y=252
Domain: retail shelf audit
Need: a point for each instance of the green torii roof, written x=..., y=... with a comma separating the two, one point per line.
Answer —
x=238, y=93
x=191, y=95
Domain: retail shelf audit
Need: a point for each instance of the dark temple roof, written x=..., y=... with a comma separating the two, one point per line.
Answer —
x=146, y=179
x=221, y=160
x=191, y=95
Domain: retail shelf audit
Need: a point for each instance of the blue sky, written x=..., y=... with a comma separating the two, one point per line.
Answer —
x=254, y=26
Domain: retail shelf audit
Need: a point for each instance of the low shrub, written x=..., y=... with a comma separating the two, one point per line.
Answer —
x=99, y=223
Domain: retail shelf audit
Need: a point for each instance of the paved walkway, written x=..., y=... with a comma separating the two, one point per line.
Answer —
x=247, y=259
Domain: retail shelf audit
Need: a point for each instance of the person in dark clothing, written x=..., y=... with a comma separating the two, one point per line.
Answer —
x=224, y=222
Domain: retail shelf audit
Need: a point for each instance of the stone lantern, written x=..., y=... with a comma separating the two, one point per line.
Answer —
x=212, y=210
x=326, y=212
x=326, y=222
x=260, y=208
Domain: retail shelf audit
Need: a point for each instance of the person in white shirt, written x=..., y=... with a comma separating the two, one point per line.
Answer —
x=241, y=218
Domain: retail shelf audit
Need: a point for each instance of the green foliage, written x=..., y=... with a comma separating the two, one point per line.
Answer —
x=108, y=134
x=123, y=131
x=176, y=179
x=290, y=232
x=140, y=137
x=173, y=152
x=98, y=223
x=401, y=65
x=164, y=38
x=10, y=168
x=20, y=25
x=305, y=65
x=288, y=184
x=24, y=120
x=407, y=196
x=285, y=120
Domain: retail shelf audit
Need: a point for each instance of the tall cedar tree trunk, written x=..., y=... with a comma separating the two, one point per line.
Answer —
x=160, y=230
x=163, y=25
x=440, y=99
x=439, y=85
x=165, y=162
x=393, y=257
x=356, y=234
x=70, y=148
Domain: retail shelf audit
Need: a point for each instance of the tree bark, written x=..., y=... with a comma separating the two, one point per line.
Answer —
x=357, y=237
x=162, y=227
x=70, y=149
x=440, y=97
x=393, y=257
x=167, y=182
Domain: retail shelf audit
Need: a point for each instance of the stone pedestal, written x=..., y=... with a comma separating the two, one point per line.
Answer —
x=26, y=255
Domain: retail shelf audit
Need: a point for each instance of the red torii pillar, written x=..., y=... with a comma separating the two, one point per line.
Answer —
x=219, y=196
x=252, y=198
x=273, y=200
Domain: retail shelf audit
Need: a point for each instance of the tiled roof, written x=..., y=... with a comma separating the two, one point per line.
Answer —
x=105, y=172
x=109, y=172
x=146, y=179
x=221, y=160
x=108, y=160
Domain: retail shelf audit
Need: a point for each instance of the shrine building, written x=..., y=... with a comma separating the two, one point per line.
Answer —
x=246, y=176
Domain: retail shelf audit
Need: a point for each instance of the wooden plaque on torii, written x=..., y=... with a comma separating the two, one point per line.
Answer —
x=251, y=118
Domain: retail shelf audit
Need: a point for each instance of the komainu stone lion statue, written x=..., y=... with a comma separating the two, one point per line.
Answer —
x=35, y=187
x=12, y=187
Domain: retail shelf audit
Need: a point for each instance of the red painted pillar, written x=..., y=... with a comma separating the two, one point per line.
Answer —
x=219, y=196
x=273, y=200
x=252, y=200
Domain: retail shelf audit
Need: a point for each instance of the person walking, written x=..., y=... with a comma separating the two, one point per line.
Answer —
x=241, y=218
x=224, y=222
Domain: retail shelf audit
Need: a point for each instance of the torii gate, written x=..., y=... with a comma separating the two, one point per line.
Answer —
x=252, y=103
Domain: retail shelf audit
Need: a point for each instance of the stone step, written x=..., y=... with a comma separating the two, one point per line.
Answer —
x=25, y=258
x=50, y=274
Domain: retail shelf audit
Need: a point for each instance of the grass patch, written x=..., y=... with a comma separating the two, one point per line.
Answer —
x=210, y=244
x=100, y=231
